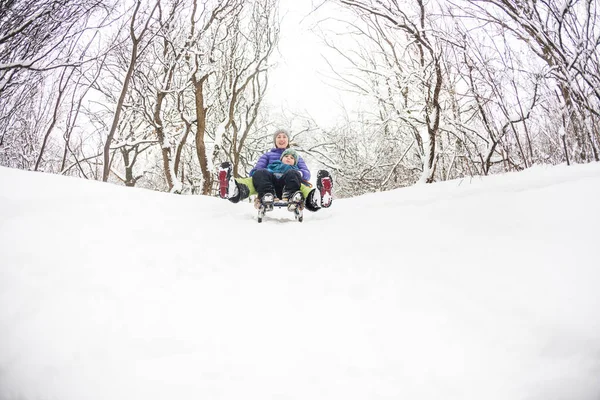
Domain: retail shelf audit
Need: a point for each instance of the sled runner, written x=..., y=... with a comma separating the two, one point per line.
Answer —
x=295, y=204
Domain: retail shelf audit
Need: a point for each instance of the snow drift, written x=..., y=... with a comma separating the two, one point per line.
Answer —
x=484, y=288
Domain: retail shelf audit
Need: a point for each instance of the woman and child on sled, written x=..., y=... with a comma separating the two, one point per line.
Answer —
x=279, y=176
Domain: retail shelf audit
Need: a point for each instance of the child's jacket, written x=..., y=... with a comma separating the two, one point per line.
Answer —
x=275, y=155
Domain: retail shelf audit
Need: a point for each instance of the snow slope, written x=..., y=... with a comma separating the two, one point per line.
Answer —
x=475, y=289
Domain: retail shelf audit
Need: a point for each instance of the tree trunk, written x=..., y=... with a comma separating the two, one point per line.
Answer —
x=119, y=108
x=160, y=134
x=129, y=179
x=200, y=133
x=61, y=89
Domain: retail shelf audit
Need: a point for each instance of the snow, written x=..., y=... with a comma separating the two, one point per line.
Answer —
x=483, y=288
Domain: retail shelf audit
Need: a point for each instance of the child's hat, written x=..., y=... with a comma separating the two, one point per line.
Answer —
x=291, y=152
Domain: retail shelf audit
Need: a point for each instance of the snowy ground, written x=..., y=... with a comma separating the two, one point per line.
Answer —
x=477, y=289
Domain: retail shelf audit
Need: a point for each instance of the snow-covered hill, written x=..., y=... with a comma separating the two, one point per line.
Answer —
x=476, y=289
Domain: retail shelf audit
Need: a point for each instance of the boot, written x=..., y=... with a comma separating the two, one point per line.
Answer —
x=325, y=186
x=227, y=184
x=313, y=200
x=266, y=201
x=295, y=201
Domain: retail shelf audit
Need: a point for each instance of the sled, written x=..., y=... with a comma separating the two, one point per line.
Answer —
x=298, y=210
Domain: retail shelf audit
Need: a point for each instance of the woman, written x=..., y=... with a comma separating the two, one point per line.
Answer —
x=272, y=174
x=281, y=140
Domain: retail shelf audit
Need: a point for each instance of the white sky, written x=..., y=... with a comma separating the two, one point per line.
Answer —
x=482, y=289
x=298, y=81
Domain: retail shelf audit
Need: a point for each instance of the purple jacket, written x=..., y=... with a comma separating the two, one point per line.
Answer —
x=274, y=155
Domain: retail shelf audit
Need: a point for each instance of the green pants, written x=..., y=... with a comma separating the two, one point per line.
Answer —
x=305, y=189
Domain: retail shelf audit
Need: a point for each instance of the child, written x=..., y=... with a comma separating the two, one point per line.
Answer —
x=281, y=178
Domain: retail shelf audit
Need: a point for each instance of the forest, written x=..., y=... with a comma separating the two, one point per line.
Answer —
x=156, y=93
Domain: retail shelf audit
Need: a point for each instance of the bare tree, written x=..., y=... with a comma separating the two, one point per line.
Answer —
x=86, y=79
x=493, y=105
x=153, y=87
x=48, y=28
x=136, y=40
x=61, y=90
x=203, y=61
x=244, y=79
x=395, y=17
x=565, y=37
x=487, y=105
x=39, y=38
